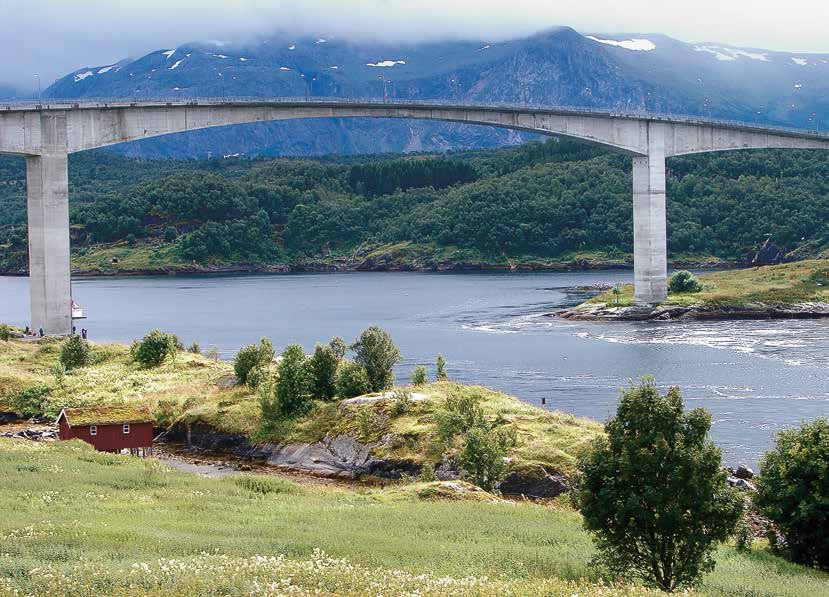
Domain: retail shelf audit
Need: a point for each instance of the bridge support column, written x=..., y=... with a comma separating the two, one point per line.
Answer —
x=650, y=250
x=47, y=183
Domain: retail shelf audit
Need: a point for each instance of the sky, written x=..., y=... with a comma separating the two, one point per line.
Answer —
x=53, y=37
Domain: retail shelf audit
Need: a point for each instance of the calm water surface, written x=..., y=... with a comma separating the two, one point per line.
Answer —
x=755, y=377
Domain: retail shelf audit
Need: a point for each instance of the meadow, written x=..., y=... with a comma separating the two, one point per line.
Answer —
x=84, y=523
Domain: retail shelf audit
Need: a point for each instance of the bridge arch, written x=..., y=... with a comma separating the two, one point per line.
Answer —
x=47, y=134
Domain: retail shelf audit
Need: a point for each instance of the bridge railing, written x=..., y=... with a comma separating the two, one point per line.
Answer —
x=110, y=102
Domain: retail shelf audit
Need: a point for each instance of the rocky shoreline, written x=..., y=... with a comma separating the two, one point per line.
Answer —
x=602, y=312
x=380, y=264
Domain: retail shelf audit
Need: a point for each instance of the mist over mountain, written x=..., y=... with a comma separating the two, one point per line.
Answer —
x=632, y=72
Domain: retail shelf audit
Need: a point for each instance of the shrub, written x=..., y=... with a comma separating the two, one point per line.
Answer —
x=376, y=352
x=323, y=367
x=460, y=413
x=154, y=348
x=30, y=402
x=427, y=474
x=743, y=535
x=401, y=403
x=684, y=281
x=5, y=332
x=352, y=380
x=212, y=353
x=75, y=352
x=793, y=491
x=441, y=365
x=419, y=376
x=654, y=494
x=170, y=234
x=482, y=457
x=293, y=384
x=370, y=423
x=250, y=357
x=339, y=347
x=194, y=348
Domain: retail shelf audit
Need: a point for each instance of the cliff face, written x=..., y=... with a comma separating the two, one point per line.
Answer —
x=556, y=67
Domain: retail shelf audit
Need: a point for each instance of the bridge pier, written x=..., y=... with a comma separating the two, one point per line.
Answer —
x=650, y=248
x=47, y=190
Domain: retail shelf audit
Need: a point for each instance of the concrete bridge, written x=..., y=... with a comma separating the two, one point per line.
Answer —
x=46, y=134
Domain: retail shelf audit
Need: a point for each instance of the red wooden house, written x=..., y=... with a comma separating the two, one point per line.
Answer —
x=109, y=428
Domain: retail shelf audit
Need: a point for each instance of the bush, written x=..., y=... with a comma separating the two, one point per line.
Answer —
x=654, y=494
x=5, y=332
x=743, y=536
x=684, y=281
x=370, y=423
x=323, y=367
x=376, y=352
x=293, y=384
x=194, y=348
x=793, y=492
x=75, y=352
x=419, y=376
x=441, y=365
x=170, y=234
x=460, y=413
x=352, y=380
x=401, y=403
x=482, y=457
x=30, y=402
x=251, y=357
x=154, y=348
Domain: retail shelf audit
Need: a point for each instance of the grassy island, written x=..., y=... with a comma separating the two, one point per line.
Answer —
x=799, y=289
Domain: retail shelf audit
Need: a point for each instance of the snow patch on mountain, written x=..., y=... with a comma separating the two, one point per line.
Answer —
x=386, y=63
x=218, y=56
x=800, y=61
x=175, y=66
x=81, y=76
x=284, y=68
x=169, y=53
x=106, y=69
x=731, y=54
x=637, y=45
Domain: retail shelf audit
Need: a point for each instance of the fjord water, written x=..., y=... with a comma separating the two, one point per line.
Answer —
x=755, y=377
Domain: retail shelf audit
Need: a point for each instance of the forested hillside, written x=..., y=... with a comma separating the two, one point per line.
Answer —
x=540, y=203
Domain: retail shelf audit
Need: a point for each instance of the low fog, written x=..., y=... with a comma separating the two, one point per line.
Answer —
x=53, y=37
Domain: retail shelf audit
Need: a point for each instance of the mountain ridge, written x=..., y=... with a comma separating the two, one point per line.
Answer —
x=558, y=66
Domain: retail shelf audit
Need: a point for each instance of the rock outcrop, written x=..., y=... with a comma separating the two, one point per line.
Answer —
x=601, y=312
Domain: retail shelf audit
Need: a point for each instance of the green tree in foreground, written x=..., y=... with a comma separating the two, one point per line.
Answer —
x=684, y=281
x=251, y=357
x=419, y=376
x=793, y=491
x=352, y=380
x=654, y=494
x=5, y=332
x=75, y=352
x=339, y=347
x=323, y=368
x=376, y=352
x=293, y=385
x=483, y=454
x=154, y=348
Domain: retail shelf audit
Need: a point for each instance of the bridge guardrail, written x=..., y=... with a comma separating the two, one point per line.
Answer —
x=110, y=102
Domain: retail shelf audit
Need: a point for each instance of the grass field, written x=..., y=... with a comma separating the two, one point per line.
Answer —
x=798, y=282
x=78, y=522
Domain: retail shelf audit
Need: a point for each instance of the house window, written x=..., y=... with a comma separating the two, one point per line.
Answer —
x=93, y=430
x=126, y=428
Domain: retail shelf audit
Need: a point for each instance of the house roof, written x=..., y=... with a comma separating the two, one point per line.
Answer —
x=106, y=415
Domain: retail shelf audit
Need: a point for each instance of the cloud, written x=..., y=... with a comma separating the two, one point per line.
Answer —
x=52, y=37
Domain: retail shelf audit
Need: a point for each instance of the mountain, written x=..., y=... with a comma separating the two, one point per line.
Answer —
x=555, y=67
x=9, y=92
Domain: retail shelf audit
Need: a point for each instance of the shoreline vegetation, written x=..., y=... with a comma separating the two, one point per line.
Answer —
x=156, y=530
x=797, y=290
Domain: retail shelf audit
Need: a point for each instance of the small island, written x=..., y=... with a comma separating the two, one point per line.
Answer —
x=797, y=290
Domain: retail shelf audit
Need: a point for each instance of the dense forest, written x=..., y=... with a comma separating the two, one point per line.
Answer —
x=542, y=200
